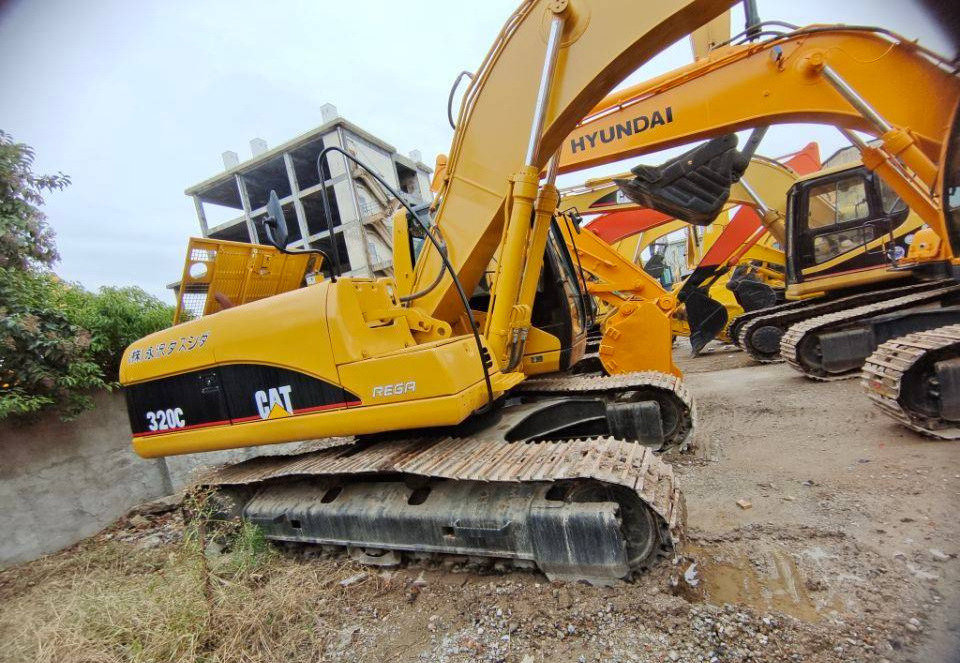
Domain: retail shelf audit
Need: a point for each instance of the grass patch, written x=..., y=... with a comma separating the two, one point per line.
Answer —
x=112, y=601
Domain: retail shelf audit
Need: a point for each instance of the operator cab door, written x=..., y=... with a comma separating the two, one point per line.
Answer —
x=561, y=308
x=841, y=224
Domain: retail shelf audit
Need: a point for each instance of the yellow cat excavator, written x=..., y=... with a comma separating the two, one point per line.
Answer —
x=470, y=435
x=455, y=450
x=915, y=378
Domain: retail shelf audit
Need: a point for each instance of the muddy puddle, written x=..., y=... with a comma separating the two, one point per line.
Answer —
x=766, y=580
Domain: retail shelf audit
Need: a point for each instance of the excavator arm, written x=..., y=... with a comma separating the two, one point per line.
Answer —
x=787, y=79
x=598, y=46
x=850, y=77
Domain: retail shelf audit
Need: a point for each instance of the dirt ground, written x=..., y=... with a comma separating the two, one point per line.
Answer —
x=847, y=552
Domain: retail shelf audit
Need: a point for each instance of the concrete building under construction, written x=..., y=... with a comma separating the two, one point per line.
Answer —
x=359, y=229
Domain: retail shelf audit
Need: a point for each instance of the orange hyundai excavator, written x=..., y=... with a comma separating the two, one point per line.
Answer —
x=837, y=75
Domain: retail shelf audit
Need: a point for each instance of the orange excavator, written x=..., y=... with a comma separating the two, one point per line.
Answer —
x=734, y=243
x=837, y=75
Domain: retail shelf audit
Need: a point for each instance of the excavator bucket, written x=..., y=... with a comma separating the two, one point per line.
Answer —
x=706, y=317
x=692, y=187
x=750, y=292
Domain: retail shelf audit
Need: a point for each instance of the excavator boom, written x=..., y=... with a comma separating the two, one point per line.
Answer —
x=600, y=46
x=777, y=81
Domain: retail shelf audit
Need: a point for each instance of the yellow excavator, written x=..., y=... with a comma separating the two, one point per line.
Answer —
x=454, y=449
x=468, y=432
x=914, y=377
x=837, y=75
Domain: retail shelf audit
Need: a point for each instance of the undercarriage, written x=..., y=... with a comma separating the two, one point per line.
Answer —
x=759, y=332
x=542, y=481
x=915, y=380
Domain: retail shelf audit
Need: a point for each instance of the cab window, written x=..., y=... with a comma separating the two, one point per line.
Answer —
x=831, y=208
x=837, y=202
x=892, y=203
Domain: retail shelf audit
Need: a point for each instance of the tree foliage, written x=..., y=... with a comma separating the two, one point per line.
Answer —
x=26, y=241
x=57, y=340
x=45, y=358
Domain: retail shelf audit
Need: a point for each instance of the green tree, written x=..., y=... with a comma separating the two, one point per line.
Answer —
x=45, y=357
x=57, y=340
x=26, y=241
x=115, y=318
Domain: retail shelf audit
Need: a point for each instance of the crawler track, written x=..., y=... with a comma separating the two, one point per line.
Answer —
x=885, y=378
x=284, y=494
x=799, y=345
x=677, y=406
x=760, y=334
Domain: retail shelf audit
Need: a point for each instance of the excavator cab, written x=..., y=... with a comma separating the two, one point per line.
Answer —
x=562, y=313
x=843, y=223
x=562, y=308
x=656, y=264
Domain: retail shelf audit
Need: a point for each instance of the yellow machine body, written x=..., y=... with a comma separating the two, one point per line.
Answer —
x=339, y=363
x=354, y=340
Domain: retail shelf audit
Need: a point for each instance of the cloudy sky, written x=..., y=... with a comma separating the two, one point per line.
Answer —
x=136, y=100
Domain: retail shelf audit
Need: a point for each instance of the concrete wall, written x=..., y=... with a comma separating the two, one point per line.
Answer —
x=61, y=482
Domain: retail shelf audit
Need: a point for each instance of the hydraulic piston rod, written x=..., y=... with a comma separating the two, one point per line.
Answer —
x=543, y=93
x=897, y=141
x=521, y=241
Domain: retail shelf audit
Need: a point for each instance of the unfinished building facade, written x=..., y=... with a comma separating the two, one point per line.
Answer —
x=232, y=205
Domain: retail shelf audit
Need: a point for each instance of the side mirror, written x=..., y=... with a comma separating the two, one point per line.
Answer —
x=275, y=225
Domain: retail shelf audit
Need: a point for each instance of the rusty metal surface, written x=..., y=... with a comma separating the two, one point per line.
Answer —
x=884, y=370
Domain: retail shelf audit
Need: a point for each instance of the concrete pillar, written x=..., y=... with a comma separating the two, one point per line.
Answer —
x=416, y=156
x=297, y=203
x=245, y=201
x=328, y=112
x=230, y=159
x=201, y=216
x=257, y=146
x=356, y=241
